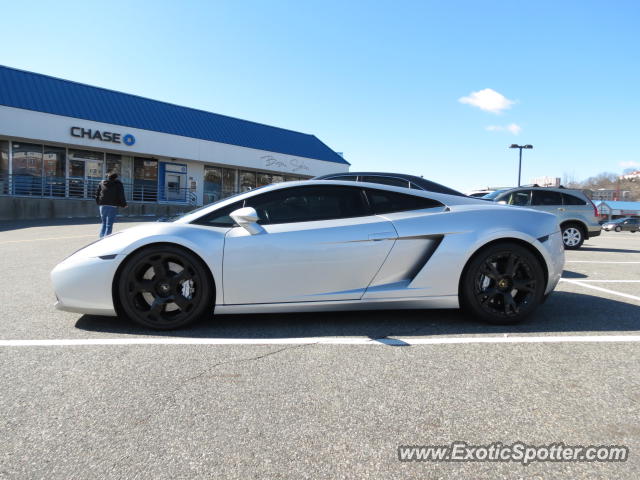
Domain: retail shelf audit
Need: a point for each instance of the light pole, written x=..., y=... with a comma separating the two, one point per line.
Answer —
x=513, y=145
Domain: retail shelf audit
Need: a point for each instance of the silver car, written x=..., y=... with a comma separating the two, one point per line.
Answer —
x=622, y=224
x=576, y=213
x=320, y=245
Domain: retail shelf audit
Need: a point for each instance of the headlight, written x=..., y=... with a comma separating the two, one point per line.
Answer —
x=89, y=244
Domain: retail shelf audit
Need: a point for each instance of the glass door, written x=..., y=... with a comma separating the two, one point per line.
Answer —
x=86, y=170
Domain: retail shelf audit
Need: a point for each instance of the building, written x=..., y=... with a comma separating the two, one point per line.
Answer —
x=633, y=176
x=58, y=138
x=614, y=209
x=546, y=181
x=609, y=194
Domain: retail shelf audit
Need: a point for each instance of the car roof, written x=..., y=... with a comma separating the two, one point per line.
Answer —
x=419, y=181
x=546, y=189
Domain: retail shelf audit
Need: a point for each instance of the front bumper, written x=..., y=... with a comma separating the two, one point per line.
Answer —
x=554, y=256
x=594, y=233
x=84, y=284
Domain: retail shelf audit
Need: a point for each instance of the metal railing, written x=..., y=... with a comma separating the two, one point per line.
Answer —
x=146, y=191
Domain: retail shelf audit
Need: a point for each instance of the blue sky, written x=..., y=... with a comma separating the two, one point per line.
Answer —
x=380, y=81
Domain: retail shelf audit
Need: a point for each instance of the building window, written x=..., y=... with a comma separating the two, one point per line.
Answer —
x=54, y=161
x=86, y=170
x=145, y=179
x=27, y=168
x=247, y=180
x=114, y=163
x=212, y=184
x=229, y=182
x=4, y=166
x=268, y=179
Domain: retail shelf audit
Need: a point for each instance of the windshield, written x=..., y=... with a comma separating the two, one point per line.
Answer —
x=492, y=195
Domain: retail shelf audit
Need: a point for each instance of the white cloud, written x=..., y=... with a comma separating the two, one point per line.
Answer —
x=511, y=128
x=629, y=164
x=488, y=100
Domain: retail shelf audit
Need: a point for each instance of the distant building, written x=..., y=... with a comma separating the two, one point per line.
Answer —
x=613, y=209
x=546, y=181
x=634, y=176
x=610, y=194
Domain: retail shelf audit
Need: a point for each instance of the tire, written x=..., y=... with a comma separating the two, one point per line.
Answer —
x=502, y=284
x=618, y=229
x=572, y=236
x=164, y=287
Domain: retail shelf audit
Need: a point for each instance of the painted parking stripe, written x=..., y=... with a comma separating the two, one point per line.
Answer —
x=604, y=281
x=400, y=341
x=593, y=261
x=600, y=289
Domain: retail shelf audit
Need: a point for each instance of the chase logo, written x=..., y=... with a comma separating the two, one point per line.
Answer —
x=128, y=139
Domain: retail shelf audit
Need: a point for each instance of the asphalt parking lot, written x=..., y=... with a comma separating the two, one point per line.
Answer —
x=313, y=395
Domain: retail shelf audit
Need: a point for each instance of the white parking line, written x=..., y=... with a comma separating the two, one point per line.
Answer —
x=600, y=289
x=320, y=341
x=593, y=261
x=603, y=281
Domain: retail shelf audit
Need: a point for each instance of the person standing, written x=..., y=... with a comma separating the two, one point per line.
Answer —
x=110, y=196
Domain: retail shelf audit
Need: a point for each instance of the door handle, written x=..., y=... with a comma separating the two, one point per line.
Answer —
x=561, y=209
x=376, y=237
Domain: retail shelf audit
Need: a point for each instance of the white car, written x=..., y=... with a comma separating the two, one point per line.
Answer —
x=320, y=245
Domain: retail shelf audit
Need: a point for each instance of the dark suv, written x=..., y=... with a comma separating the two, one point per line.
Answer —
x=394, y=179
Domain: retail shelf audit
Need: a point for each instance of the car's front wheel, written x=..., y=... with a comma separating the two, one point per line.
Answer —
x=164, y=287
x=618, y=229
x=502, y=284
x=572, y=236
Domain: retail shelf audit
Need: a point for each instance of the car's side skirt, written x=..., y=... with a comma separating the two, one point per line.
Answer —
x=449, y=301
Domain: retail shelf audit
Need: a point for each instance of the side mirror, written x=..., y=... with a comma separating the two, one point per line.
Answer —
x=247, y=218
x=502, y=202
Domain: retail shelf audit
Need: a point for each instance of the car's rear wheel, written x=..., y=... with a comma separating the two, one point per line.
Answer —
x=502, y=284
x=572, y=236
x=164, y=287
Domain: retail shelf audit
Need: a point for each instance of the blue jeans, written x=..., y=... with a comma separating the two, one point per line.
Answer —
x=108, y=215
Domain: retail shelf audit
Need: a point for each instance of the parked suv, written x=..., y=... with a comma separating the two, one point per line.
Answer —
x=577, y=215
x=620, y=224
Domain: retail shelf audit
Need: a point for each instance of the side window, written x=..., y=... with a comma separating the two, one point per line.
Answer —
x=520, y=198
x=307, y=204
x=572, y=200
x=345, y=178
x=395, y=182
x=382, y=201
x=546, y=198
x=220, y=217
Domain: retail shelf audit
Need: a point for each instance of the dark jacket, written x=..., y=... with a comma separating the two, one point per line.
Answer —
x=111, y=192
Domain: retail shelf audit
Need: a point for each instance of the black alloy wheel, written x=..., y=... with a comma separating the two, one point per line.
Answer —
x=165, y=287
x=503, y=284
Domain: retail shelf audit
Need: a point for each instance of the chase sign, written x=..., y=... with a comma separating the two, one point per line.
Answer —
x=103, y=136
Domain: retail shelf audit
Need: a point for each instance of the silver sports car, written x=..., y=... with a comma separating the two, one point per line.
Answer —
x=320, y=245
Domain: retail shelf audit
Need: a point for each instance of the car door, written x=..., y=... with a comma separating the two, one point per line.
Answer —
x=321, y=243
